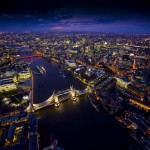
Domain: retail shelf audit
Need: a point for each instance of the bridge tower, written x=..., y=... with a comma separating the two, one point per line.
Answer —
x=88, y=89
x=73, y=93
x=56, y=100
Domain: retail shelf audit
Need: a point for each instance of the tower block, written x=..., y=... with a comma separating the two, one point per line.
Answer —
x=134, y=63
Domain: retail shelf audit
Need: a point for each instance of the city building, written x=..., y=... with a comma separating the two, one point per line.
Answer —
x=122, y=81
x=70, y=63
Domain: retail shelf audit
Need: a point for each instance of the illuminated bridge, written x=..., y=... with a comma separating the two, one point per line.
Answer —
x=56, y=98
x=29, y=57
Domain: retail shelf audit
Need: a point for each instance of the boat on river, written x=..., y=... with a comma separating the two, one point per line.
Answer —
x=41, y=69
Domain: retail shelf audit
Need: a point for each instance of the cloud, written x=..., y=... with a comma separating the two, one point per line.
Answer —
x=7, y=16
x=59, y=28
x=41, y=20
x=28, y=16
x=64, y=18
x=97, y=25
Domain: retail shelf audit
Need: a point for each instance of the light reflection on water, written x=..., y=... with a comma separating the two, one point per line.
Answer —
x=59, y=109
x=77, y=125
x=44, y=111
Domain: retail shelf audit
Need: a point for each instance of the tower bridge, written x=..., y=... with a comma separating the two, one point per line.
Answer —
x=55, y=98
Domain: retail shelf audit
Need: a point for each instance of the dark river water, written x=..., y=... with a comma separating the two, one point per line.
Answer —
x=76, y=126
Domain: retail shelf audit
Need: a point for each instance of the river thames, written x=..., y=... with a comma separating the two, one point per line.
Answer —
x=76, y=126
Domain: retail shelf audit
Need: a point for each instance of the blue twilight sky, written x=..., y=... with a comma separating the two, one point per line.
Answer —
x=75, y=15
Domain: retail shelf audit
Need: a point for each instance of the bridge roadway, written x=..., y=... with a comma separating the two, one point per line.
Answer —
x=63, y=92
x=29, y=57
x=50, y=100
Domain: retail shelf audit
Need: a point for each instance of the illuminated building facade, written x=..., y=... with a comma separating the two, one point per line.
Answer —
x=70, y=63
x=122, y=81
x=140, y=93
x=134, y=63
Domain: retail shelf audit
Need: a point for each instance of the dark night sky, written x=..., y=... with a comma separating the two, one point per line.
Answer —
x=75, y=15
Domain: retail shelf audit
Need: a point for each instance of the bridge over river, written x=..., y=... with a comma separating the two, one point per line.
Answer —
x=56, y=98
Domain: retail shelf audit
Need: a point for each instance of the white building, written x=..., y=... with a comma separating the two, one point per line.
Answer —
x=70, y=63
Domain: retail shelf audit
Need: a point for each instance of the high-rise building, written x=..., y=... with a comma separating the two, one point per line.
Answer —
x=92, y=47
x=134, y=63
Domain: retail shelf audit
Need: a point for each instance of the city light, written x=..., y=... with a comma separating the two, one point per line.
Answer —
x=58, y=83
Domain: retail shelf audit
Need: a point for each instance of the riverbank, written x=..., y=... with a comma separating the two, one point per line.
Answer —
x=75, y=125
x=97, y=105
